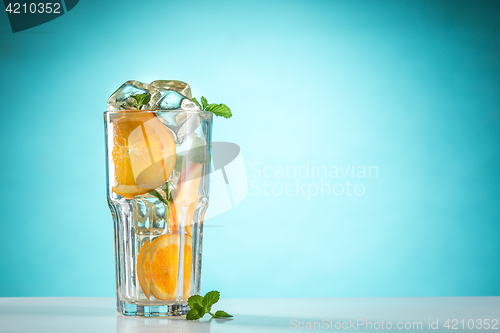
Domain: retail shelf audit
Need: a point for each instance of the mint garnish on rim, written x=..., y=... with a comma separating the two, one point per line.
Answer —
x=221, y=110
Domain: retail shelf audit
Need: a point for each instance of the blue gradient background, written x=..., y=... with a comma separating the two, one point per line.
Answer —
x=412, y=87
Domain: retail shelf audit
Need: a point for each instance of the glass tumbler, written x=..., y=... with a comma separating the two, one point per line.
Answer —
x=158, y=166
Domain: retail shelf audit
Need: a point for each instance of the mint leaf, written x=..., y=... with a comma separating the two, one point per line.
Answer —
x=211, y=298
x=211, y=107
x=140, y=100
x=194, y=100
x=192, y=315
x=195, y=299
x=204, y=102
x=131, y=102
x=156, y=194
x=168, y=192
x=221, y=110
x=221, y=314
x=199, y=309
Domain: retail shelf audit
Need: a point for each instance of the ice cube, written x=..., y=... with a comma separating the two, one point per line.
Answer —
x=181, y=124
x=172, y=100
x=189, y=123
x=141, y=214
x=179, y=86
x=175, y=95
x=118, y=101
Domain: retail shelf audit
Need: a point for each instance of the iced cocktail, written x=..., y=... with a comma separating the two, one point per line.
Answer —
x=158, y=164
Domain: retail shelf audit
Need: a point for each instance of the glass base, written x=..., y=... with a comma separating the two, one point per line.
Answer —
x=172, y=310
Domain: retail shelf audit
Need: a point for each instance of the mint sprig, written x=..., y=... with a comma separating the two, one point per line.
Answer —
x=167, y=199
x=138, y=100
x=201, y=305
x=168, y=194
x=221, y=110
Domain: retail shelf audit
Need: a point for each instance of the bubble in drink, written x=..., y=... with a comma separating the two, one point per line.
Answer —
x=119, y=99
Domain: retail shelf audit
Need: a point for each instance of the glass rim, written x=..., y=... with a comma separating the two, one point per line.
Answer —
x=156, y=111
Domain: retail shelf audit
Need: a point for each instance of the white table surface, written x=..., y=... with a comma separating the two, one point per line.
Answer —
x=94, y=315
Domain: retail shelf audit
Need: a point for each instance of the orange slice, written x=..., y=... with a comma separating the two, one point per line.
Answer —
x=144, y=268
x=186, y=193
x=164, y=266
x=186, y=283
x=143, y=153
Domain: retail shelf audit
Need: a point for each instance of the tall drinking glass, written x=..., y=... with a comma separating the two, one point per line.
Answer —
x=158, y=166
